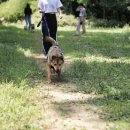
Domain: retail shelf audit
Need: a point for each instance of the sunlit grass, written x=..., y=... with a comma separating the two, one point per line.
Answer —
x=100, y=64
x=18, y=110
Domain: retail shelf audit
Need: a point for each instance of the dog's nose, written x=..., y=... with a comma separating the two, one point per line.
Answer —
x=57, y=71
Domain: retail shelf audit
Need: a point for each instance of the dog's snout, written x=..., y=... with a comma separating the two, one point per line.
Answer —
x=57, y=70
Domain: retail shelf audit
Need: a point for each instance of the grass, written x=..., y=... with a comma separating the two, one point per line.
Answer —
x=15, y=66
x=100, y=65
x=17, y=108
x=18, y=74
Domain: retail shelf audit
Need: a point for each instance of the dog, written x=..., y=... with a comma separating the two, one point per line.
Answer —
x=55, y=60
x=32, y=27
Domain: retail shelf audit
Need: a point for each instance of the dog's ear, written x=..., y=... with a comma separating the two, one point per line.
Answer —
x=62, y=58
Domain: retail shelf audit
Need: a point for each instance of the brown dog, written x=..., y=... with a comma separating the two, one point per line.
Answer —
x=55, y=60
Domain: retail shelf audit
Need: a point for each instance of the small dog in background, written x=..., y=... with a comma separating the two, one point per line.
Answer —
x=55, y=61
x=32, y=27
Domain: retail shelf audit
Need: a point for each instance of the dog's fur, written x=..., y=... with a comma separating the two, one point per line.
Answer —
x=55, y=60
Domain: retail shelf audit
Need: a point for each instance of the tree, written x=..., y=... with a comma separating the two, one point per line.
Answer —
x=2, y=1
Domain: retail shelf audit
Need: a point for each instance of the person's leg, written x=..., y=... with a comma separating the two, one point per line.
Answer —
x=52, y=25
x=29, y=21
x=44, y=41
x=83, y=26
x=26, y=20
x=78, y=27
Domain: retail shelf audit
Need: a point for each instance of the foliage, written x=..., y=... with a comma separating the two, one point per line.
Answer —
x=11, y=12
x=114, y=11
x=67, y=20
x=2, y=1
x=93, y=22
x=117, y=4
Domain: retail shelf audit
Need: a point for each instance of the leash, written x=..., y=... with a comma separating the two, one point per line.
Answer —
x=42, y=19
x=39, y=23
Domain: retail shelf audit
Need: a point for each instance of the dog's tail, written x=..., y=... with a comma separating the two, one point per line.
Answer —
x=51, y=40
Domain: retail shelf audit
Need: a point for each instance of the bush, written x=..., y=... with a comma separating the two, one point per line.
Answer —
x=93, y=22
x=67, y=20
x=11, y=12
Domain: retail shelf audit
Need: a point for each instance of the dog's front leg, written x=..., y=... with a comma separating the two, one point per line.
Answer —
x=49, y=73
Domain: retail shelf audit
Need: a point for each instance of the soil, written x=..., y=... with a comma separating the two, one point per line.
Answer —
x=63, y=108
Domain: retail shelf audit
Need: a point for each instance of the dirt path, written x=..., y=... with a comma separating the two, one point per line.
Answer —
x=64, y=109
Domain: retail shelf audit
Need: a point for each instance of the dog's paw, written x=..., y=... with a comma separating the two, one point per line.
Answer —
x=49, y=81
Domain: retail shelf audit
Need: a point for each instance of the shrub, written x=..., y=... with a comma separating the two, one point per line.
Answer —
x=93, y=22
x=11, y=12
x=67, y=20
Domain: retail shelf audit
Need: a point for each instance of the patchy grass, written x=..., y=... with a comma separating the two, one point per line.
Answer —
x=15, y=65
x=99, y=65
x=18, y=109
x=18, y=76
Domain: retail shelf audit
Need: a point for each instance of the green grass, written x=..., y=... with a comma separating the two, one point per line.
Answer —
x=18, y=74
x=15, y=66
x=100, y=65
x=17, y=108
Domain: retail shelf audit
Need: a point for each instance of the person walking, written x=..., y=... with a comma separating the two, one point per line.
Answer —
x=49, y=8
x=81, y=19
x=28, y=13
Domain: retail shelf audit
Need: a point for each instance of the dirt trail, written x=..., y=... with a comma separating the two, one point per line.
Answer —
x=64, y=109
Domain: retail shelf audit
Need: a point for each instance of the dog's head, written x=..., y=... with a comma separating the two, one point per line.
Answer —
x=57, y=62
